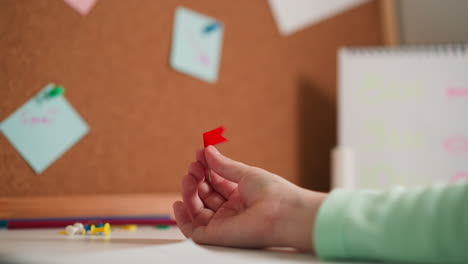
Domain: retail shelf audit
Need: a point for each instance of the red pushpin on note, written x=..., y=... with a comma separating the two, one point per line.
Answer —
x=213, y=137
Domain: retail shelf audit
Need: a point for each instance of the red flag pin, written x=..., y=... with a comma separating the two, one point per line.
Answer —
x=213, y=137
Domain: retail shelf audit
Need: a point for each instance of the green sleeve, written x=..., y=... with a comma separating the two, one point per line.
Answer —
x=424, y=224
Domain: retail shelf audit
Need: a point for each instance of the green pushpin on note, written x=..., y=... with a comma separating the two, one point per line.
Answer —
x=56, y=91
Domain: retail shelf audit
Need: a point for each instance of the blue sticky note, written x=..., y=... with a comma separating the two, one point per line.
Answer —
x=43, y=129
x=196, y=44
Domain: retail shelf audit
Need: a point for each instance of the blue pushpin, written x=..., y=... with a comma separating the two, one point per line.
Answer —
x=211, y=27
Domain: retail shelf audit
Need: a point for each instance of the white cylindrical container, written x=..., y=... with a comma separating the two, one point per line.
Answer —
x=343, y=168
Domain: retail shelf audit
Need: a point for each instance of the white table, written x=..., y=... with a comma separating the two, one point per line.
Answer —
x=145, y=245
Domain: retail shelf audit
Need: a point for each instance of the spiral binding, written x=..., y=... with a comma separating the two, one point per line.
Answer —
x=446, y=49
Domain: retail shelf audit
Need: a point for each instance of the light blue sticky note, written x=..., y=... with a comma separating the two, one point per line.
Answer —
x=196, y=44
x=43, y=129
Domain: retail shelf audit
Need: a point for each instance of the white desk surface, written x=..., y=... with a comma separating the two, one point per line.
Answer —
x=146, y=245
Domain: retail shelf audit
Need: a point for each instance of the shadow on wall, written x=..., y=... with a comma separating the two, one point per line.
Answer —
x=317, y=136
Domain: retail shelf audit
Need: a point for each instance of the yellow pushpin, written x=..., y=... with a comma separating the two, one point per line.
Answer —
x=105, y=229
x=126, y=227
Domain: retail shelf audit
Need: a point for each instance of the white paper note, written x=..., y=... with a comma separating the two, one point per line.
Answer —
x=294, y=15
x=403, y=113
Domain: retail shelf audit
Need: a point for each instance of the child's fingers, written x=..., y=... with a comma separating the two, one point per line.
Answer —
x=197, y=170
x=190, y=187
x=222, y=186
x=203, y=218
x=200, y=236
x=225, y=167
x=183, y=218
x=190, y=194
x=224, y=234
x=212, y=199
x=200, y=156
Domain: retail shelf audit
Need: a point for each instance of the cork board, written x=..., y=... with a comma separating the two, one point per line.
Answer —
x=275, y=95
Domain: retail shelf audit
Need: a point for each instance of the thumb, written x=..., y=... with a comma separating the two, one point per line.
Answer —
x=225, y=167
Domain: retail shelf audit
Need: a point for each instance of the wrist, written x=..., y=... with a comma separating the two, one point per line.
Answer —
x=295, y=229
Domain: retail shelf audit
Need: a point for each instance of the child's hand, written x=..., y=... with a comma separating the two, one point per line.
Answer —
x=243, y=206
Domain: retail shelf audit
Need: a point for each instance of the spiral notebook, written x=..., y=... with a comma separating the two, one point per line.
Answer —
x=404, y=114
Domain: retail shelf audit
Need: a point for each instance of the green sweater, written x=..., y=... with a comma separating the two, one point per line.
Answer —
x=423, y=225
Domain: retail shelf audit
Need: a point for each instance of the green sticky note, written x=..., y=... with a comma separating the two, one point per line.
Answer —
x=43, y=129
x=196, y=44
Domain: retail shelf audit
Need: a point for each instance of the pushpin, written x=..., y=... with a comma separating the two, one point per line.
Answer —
x=80, y=227
x=56, y=91
x=71, y=230
x=211, y=27
x=3, y=224
x=126, y=227
x=105, y=229
x=213, y=137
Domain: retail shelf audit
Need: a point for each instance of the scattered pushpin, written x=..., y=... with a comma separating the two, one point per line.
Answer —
x=75, y=229
x=211, y=27
x=56, y=91
x=105, y=229
x=81, y=230
x=125, y=227
x=162, y=227
x=71, y=230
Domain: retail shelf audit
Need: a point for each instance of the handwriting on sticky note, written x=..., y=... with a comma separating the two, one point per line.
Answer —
x=201, y=56
x=29, y=118
x=456, y=144
x=456, y=92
